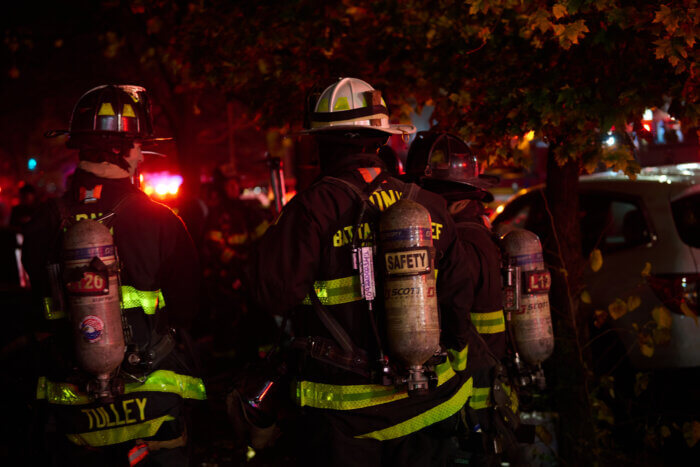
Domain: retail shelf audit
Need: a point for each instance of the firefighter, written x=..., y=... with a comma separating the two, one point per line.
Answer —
x=141, y=420
x=444, y=164
x=302, y=270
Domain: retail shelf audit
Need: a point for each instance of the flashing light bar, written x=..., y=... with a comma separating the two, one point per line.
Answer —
x=161, y=184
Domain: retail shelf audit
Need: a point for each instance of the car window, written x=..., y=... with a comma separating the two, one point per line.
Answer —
x=608, y=223
x=526, y=212
x=611, y=224
x=686, y=215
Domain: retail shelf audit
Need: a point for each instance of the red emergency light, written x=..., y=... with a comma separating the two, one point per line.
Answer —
x=162, y=185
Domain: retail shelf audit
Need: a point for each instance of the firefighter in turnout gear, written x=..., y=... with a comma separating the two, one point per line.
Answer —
x=444, y=164
x=139, y=253
x=355, y=408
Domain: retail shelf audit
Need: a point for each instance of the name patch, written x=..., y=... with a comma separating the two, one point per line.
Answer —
x=126, y=412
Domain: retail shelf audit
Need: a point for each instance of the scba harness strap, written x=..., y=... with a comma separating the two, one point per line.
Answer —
x=343, y=353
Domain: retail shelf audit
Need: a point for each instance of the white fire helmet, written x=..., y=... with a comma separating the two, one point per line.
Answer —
x=351, y=103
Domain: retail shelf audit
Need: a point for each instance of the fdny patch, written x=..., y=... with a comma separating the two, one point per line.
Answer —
x=90, y=196
x=91, y=328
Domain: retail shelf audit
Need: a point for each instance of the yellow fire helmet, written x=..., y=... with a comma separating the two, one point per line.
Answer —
x=353, y=104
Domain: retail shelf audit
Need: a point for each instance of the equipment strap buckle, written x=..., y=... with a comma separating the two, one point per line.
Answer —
x=329, y=352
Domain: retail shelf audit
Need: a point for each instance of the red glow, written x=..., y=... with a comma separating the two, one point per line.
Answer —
x=162, y=185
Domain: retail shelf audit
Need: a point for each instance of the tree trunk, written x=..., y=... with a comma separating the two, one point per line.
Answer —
x=569, y=364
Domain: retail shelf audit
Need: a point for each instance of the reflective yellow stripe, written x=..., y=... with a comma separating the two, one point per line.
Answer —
x=337, y=397
x=513, y=396
x=148, y=300
x=337, y=291
x=444, y=372
x=49, y=310
x=434, y=415
x=187, y=387
x=119, y=434
x=261, y=229
x=489, y=323
x=480, y=398
x=458, y=359
x=106, y=109
x=237, y=239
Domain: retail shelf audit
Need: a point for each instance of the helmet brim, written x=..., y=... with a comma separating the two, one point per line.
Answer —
x=394, y=129
x=465, y=188
x=156, y=140
x=153, y=153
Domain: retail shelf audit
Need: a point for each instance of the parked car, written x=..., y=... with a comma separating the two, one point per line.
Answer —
x=654, y=219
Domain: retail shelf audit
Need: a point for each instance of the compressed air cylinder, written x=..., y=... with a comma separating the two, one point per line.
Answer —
x=532, y=323
x=410, y=299
x=92, y=288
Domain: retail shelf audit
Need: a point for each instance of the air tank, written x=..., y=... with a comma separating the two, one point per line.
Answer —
x=532, y=322
x=410, y=299
x=92, y=288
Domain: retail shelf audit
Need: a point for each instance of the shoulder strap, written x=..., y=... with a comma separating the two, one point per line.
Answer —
x=412, y=192
x=124, y=201
x=334, y=327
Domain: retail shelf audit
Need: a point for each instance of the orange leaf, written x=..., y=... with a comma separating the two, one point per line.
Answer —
x=586, y=297
x=633, y=302
x=646, y=344
x=617, y=309
x=662, y=316
x=596, y=260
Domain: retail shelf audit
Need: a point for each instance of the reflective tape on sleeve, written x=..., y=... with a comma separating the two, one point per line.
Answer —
x=119, y=434
x=50, y=312
x=427, y=418
x=337, y=291
x=148, y=300
x=480, y=398
x=489, y=323
x=261, y=229
x=60, y=393
x=444, y=372
x=458, y=359
x=187, y=387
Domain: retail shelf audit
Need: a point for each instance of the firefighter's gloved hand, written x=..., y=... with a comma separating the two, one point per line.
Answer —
x=246, y=426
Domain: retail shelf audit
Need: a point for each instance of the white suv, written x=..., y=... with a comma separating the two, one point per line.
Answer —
x=654, y=219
